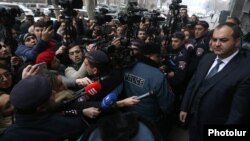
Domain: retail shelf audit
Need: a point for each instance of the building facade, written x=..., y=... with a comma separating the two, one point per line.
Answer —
x=241, y=9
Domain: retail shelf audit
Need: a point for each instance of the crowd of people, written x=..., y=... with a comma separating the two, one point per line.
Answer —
x=194, y=77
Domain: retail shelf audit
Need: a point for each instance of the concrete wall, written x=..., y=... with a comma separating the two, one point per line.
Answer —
x=241, y=9
x=237, y=6
x=245, y=16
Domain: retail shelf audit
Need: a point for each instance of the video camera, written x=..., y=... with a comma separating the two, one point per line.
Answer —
x=132, y=15
x=119, y=57
x=102, y=17
x=68, y=11
x=95, y=41
x=68, y=7
x=175, y=5
x=154, y=16
x=70, y=4
x=174, y=22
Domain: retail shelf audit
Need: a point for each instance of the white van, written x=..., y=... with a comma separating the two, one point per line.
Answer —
x=35, y=6
x=26, y=10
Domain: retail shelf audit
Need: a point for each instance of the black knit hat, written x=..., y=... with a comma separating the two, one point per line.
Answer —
x=31, y=92
x=97, y=57
x=27, y=35
x=22, y=37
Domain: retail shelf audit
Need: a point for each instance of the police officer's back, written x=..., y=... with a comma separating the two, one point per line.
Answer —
x=144, y=77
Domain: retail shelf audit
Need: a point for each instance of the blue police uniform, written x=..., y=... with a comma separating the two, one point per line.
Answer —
x=144, y=77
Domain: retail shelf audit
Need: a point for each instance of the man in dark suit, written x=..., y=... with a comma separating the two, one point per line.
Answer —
x=222, y=97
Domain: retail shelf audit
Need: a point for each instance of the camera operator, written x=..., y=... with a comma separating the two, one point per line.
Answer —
x=97, y=33
x=91, y=23
x=145, y=23
x=184, y=17
x=193, y=21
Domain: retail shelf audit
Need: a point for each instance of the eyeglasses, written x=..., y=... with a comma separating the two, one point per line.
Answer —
x=75, y=52
x=4, y=75
x=29, y=39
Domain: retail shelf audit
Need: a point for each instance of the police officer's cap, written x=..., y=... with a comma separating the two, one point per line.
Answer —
x=203, y=23
x=31, y=92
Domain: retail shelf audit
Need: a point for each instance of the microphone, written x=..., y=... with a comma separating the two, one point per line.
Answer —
x=89, y=91
x=145, y=95
x=93, y=88
x=109, y=100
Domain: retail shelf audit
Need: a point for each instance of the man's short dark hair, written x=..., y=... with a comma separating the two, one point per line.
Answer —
x=40, y=24
x=180, y=35
x=237, y=21
x=73, y=44
x=236, y=29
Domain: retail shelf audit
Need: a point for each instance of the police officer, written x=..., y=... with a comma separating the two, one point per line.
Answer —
x=177, y=64
x=201, y=46
x=144, y=77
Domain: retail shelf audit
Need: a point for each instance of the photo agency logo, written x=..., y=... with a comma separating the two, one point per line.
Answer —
x=220, y=132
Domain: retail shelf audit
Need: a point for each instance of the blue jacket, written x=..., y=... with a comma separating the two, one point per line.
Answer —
x=143, y=78
x=31, y=53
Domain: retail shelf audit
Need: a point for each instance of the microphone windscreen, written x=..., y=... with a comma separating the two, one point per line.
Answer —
x=93, y=88
x=109, y=100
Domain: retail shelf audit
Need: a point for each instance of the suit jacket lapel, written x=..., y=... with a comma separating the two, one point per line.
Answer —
x=233, y=64
x=201, y=73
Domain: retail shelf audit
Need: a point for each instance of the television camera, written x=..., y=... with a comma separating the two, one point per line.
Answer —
x=173, y=20
x=68, y=11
